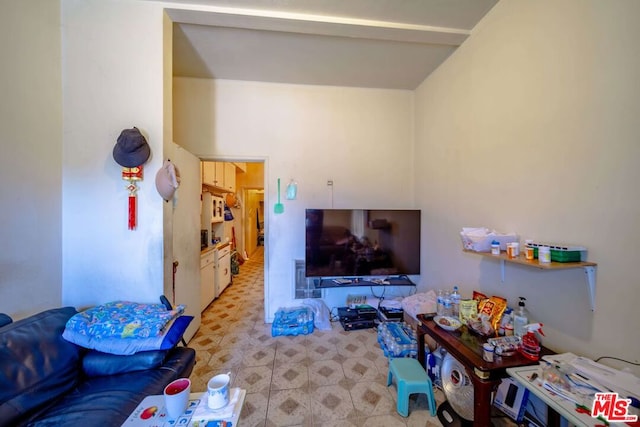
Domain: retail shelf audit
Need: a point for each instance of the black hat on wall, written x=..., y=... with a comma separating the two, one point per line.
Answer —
x=132, y=149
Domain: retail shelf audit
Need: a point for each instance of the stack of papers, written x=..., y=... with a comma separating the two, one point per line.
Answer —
x=602, y=378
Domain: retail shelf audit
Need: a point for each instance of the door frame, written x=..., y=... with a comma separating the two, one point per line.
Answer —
x=265, y=179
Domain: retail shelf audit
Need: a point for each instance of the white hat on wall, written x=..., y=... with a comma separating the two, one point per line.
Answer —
x=167, y=180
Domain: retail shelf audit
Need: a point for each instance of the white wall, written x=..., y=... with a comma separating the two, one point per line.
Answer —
x=30, y=164
x=359, y=138
x=113, y=79
x=531, y=126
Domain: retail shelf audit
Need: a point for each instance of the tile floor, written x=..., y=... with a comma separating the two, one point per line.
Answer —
x=328, y=378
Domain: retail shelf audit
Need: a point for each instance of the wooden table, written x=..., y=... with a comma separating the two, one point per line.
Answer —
x=466, y=347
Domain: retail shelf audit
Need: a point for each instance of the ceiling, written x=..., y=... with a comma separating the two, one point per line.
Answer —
x=391, y=44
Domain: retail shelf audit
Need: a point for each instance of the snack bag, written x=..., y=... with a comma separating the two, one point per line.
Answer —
x=493, y=308
x=479, y=296
x=468, y=308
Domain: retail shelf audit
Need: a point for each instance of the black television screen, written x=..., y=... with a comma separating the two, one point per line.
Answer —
x=362, y=242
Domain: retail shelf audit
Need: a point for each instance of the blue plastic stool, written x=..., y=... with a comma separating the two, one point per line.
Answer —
x=410, y=378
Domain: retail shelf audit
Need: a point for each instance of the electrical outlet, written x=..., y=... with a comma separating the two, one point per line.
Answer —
x=330, y=183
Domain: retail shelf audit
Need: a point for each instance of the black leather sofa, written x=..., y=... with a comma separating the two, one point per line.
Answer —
x=48, y=381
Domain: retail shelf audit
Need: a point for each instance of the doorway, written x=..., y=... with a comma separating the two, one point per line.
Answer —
x=244, y=220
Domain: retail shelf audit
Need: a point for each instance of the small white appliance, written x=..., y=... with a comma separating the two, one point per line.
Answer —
x=217, y=203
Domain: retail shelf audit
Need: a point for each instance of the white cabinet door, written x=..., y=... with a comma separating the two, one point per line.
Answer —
x=223, y=269
x=207, y=279
x=209, y=173
x=219, y=180
x=230, y=177
x=186, y=237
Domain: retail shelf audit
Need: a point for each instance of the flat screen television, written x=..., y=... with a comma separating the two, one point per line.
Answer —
x=362, y=242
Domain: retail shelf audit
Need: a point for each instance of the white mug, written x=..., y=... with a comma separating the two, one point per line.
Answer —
x=218, y=391
x=176, y=397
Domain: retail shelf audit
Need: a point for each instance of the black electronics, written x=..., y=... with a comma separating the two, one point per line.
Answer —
x=359, y=317
x=391, y=314
x=362, y=242
x=352, y=325
x=511, y=395
x=360, y=312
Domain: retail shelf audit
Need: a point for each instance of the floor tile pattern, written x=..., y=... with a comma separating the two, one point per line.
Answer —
x=327, y=378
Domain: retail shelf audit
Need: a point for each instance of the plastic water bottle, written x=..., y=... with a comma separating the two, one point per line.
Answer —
x=439, y=301
x=447, y=309
x=455, y=302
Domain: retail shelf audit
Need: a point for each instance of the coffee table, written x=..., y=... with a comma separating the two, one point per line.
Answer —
x=466, y=347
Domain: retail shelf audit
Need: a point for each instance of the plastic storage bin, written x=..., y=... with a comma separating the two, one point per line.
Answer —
x=292, y=321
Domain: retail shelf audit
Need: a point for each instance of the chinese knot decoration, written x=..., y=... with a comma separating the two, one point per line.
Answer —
x=132, y=175
x=131, y=152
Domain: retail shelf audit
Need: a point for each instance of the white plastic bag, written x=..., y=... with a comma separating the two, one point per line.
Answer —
x=321, y=313
x=479, y=239
x=420, y=303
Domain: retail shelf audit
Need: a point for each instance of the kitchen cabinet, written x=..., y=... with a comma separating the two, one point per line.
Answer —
x=219, y=175
x=213, y=174
x=207, y=278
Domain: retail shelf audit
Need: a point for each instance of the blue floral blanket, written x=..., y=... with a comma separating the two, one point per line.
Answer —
x=123, y=319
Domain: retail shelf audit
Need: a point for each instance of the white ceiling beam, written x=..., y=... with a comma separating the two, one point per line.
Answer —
x=319, y=25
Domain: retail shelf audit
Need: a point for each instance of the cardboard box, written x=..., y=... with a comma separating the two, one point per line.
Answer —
x=511, y=399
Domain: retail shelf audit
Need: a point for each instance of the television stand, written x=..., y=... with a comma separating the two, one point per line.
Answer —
x=349, y=282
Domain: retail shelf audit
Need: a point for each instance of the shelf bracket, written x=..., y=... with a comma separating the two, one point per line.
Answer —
x=502, y=263
x=590, y=271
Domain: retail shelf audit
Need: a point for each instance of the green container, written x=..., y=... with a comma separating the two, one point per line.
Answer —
x=565, y=256
x=561, y=256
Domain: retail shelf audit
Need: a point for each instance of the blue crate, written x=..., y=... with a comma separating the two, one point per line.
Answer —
x=292, y=321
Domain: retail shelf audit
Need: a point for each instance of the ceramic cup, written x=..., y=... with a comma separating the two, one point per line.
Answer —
x=218, y=391
x=176, y=397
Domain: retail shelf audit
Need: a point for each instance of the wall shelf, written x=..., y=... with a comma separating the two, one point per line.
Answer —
x=589, y=268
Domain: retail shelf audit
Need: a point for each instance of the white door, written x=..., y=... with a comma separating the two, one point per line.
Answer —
x=186, y=236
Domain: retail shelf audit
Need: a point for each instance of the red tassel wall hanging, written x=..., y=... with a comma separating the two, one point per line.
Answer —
x=132, y=211
x=132, y=175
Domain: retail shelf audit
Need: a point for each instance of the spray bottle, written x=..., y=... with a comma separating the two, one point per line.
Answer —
x=530, y=346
